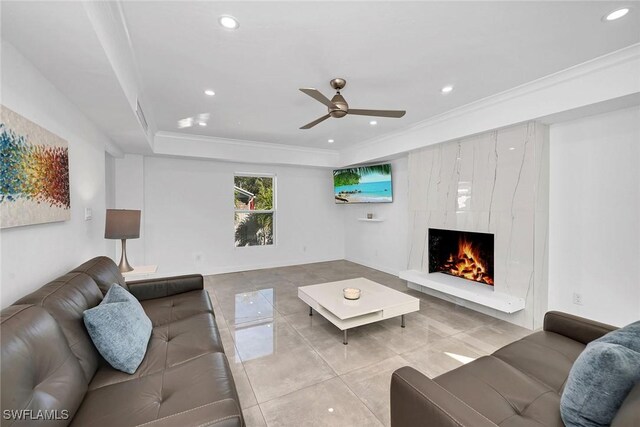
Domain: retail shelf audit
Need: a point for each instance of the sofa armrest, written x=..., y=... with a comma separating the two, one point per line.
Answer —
x=418, y=400
x=574, y=327
x=165, y=286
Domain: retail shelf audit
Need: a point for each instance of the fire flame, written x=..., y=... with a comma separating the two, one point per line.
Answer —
x=468, y=264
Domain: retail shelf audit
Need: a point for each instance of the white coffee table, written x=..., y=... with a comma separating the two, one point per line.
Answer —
x=377, y=302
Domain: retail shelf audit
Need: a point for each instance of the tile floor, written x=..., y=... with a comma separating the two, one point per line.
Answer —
x=291, y=369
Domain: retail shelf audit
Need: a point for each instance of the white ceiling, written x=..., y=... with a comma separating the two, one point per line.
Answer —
x=394, y=55
x=58, y=38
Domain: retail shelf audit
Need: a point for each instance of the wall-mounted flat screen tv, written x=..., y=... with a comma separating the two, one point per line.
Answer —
x=363, y=184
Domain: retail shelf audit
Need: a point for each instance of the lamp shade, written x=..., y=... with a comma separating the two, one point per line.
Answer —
x=122, y=224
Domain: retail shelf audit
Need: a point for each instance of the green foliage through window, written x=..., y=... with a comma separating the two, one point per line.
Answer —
x=253, y=194
x=254, y=229
x=260, y=189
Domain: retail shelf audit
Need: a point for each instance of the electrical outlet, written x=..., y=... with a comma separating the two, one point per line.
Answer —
x=88, y=214
x=577, y=298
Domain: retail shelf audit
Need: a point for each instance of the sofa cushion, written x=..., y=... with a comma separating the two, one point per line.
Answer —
x=39, y=372
x=600, y=380
x=175, y=307
x=170, y=345
x=546, y=356
x=503, y=394
x=66, y=298
x=103, y=271
x=119, y=329
x=198, y=392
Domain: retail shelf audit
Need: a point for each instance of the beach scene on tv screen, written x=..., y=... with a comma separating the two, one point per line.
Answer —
x=364, y=184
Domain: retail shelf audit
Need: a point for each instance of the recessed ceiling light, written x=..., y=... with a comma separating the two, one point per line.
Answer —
x=202, y=124
x=209, y=92
x=373, y=122
x=446, y=89
x=229, y=22
x=512, y=148
x=617, y=14
x=330, y=141
x=185, y=123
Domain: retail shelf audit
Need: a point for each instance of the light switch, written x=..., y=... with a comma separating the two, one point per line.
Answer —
x=88, y=214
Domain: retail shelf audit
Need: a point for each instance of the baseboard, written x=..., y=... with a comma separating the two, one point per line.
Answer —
x=385, y=269
x=241, y=268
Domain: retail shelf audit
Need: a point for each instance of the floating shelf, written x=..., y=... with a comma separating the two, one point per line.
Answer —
x=371, y=220
x=461, y=288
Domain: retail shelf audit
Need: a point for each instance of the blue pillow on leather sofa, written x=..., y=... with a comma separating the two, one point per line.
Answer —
x=601, y=378
x=120, y=329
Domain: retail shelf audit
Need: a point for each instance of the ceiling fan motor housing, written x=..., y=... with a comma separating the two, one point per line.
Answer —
x=339, y=101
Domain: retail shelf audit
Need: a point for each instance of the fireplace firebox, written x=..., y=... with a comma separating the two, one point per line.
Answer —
x=464, y=254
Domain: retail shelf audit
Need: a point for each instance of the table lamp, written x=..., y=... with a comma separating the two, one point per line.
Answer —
x=122, y=224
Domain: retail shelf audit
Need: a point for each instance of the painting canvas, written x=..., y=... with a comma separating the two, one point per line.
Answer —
x=363, y=184
x=34, y=173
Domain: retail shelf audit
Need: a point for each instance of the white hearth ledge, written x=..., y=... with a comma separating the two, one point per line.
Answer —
x=461, y=288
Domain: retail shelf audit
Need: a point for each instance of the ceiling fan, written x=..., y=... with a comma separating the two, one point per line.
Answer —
x=338, y=106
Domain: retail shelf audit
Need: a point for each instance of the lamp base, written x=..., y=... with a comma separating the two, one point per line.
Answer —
x=124, y=265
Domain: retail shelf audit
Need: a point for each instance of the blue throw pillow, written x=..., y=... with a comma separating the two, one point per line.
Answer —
x=629, y=336
x=120, y=329
x=601, y=378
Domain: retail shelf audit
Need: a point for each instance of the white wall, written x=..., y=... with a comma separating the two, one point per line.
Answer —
x=188, y=212
x=33, y=255
x=110, y=196
x=110, y=181
x=380, y=245
x=129, y=194
x=594, y=216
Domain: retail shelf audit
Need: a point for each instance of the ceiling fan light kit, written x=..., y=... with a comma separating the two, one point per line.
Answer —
x=337, y=106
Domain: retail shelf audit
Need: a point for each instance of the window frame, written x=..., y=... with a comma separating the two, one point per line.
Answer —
x=272, y=211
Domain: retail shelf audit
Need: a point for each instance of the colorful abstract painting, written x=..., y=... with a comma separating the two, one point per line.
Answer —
x=34, y=173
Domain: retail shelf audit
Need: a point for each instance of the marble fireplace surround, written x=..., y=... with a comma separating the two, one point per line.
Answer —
x=496, y=182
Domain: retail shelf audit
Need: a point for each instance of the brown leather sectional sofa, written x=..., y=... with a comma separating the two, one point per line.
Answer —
x=518, y=385
x=49, y=362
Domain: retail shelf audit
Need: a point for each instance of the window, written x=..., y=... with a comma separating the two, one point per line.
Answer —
x=254, y=204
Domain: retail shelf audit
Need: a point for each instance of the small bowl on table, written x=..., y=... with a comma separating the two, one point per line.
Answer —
x=351, y=293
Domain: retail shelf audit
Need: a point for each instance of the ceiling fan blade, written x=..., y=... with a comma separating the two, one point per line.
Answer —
x=315, y=122
x=377, y=113
x=315, y=94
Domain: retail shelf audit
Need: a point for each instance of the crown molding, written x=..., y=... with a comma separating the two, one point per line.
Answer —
x=243, y=151
x=601, y=79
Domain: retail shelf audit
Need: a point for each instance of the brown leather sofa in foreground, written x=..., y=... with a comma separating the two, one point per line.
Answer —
x=518, y=385
x=50, y=367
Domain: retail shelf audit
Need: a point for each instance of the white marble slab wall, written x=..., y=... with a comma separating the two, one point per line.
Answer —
x=496, y=182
